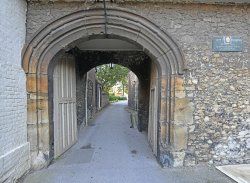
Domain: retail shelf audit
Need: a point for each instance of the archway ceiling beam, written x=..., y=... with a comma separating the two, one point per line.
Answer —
x=125, y=58
x=136, y=61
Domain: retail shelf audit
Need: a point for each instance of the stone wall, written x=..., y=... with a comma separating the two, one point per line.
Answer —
x=14, y=148
x=132, y=91
x=104, y=100
x=165, y=1
x=80, y=97
x=92, y=98
x=214, y=90
x=91, y=93
x=215, y=84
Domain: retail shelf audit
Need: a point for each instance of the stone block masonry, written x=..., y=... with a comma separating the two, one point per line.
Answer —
x=216, y=85
x=133, y=91
x=162, y=1
x=92, y=108
x=14, y=148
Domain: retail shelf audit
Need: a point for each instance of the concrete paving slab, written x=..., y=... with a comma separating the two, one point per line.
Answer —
x=80, y=156
x=239, y=173
x=112, y=152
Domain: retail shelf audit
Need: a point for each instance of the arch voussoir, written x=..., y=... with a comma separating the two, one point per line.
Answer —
x=64, y=32
x=117, y=17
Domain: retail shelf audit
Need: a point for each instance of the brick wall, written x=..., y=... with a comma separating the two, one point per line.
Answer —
x=14, y=149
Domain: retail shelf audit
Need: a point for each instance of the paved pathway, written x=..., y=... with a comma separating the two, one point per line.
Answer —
x=109, y=151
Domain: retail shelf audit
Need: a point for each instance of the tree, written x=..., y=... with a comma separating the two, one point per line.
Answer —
x=109, y=76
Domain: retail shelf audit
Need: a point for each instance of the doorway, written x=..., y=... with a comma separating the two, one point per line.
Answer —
x=64, y=34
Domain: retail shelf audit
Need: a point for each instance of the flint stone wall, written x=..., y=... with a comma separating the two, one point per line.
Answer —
x=213, y=92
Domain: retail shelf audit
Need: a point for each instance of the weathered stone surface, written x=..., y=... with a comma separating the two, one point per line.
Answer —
x=31, y=83
x=165, y=1
x=190, y=160
x=183, y=114
x=32, y=136
x=180, y=137
x=38, y=160
x=133, y=83
x=31, y=111
x=44, y=137
x=233, y=149
x=179, y=88
x=217, y=84
x=42, y=86
x=178, y=158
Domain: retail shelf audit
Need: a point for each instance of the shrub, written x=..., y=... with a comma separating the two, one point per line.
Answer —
x=113, y=98
x=122, y=98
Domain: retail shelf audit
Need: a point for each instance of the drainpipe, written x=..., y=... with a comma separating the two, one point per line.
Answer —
x=86, y=100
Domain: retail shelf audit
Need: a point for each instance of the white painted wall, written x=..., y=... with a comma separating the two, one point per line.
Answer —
x=14, y=148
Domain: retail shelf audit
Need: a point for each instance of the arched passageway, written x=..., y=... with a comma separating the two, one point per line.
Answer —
x=78, y=86
x=64, y=35
x=136, y=61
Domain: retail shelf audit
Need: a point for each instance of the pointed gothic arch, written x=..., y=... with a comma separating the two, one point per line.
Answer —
x=84, y=25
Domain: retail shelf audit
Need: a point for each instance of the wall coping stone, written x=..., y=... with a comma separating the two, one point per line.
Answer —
x=222, y=2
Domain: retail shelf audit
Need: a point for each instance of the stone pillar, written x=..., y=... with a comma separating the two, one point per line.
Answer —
x=38, y=119
x=176, y=112
x=164, y=156
x=182, y=116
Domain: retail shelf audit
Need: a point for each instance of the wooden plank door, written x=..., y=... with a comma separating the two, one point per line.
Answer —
x=65, y=122
x=152, y=127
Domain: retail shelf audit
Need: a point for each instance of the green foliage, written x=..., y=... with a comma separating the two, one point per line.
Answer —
x=110, y=76
x=113, y=98
x=122, y=98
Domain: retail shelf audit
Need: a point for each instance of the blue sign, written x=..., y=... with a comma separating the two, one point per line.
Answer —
x=227, y=44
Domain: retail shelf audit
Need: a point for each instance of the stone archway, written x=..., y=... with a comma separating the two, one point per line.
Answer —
x=91, y=24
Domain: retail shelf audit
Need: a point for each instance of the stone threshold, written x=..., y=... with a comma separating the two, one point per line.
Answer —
x=239, y=173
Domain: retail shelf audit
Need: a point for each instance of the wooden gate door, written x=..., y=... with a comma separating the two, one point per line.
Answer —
x=152, y=127
x=65, y=123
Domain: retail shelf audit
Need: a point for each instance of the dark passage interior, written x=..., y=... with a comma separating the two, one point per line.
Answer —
x=89, y=97
x=136, y=61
